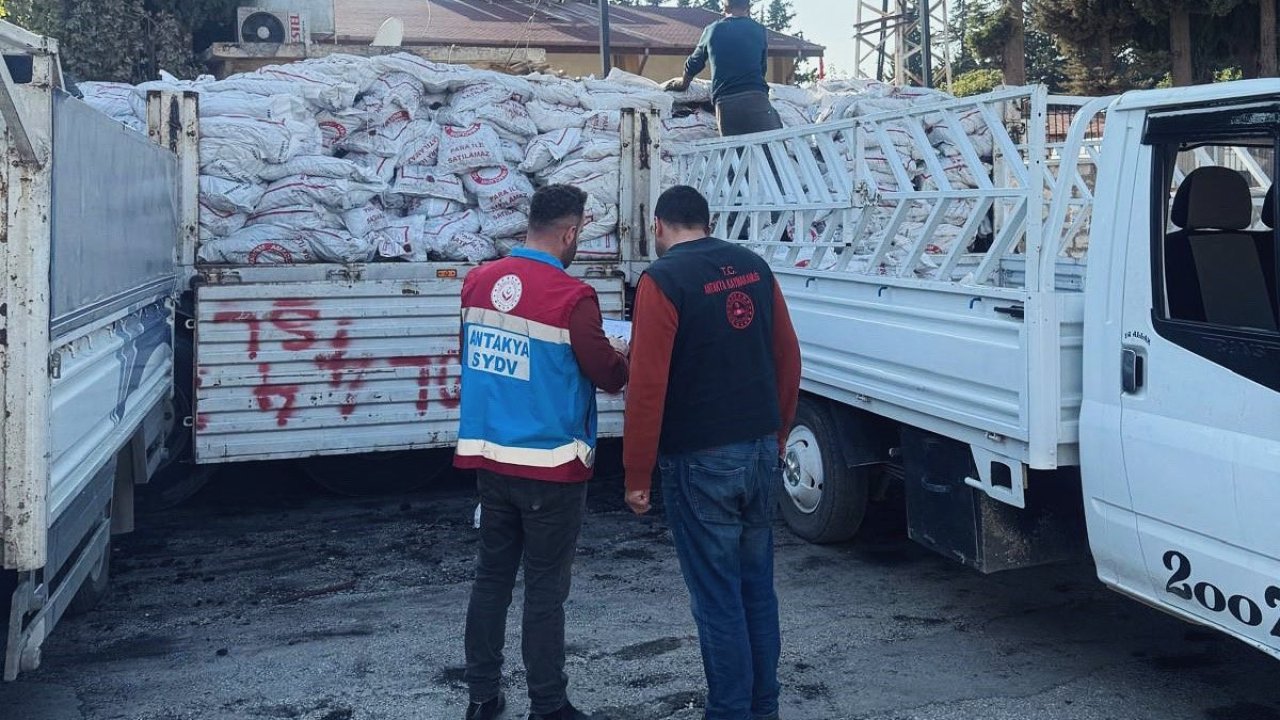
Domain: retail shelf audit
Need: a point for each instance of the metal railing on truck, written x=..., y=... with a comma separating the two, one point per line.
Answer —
x=947, y=193
x=933, y=259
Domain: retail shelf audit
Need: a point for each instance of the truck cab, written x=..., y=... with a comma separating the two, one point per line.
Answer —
x=1180, y=427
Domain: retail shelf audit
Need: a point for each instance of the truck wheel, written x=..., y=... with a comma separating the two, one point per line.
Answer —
x=382, y=473
x=94, y=587
x=822, y=500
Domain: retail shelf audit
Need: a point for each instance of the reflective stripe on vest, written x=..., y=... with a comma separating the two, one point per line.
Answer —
x=528, y=457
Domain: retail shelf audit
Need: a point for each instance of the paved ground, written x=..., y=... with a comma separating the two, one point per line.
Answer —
x=268, y=598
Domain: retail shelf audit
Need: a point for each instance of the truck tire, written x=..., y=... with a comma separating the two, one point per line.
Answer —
x=381, y=473
x=94, y=588
x=822, y=500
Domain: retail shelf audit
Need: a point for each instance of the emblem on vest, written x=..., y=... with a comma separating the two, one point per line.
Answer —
x=740, y=309
x=506, y=293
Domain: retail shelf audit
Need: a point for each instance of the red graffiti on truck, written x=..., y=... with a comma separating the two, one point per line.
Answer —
x=306, y=339
x=433, y=374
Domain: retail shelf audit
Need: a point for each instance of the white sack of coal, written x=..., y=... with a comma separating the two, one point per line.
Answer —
x=497, y=188
x=273, y=245
x=468, y=148
x=424, y=181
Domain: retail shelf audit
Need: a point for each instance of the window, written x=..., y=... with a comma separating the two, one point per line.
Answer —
x=1219, y=264
x=1214, y=246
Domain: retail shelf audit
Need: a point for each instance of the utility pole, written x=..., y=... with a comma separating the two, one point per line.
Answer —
x=893, y=37
x=606, y=55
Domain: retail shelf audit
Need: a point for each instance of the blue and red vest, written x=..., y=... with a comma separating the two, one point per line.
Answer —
x=527, y=409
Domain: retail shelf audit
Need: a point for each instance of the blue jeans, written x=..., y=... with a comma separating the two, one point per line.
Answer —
x=719, y=503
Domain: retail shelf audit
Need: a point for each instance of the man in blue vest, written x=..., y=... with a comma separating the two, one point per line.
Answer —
x=534, y=352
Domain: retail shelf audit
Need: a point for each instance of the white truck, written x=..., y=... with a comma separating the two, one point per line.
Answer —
x=127, y=362
x=1050, y=332
x=324, y=363
x=89, y=221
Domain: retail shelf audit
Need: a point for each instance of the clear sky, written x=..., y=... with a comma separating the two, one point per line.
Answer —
x=830, y=23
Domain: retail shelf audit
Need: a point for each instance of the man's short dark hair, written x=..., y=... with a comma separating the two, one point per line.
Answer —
x=683, y=206
x=738, y=4
x=553, y=204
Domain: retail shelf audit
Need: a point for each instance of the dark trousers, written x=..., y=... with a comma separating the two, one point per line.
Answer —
x=538, y=523
x=719, y=503
x=747, y=112
x=750, y=112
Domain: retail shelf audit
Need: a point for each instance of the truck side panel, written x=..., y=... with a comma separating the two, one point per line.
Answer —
x=107, y=381
x=951, y=363
x=291, y=363
x=114, y=221
x=115, y=207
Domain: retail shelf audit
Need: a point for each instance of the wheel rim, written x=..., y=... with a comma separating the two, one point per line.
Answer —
x=802, y=470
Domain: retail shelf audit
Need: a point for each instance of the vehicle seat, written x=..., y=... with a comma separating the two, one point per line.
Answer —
x=1266, y=242
x=1213, y=268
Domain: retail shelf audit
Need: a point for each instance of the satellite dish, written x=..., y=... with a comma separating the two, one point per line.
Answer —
x=390, y=34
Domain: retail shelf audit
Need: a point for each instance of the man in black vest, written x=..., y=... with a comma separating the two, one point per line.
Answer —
x=715, y=377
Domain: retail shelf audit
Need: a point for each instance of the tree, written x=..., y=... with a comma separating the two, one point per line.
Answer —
x=778, y=15
x=976, y=82
x=128, y=40
x=1267, y=60
x=983, y=31
x=1096, y=37
x=1178, y=15
x=712, y=5
x=1015, y=45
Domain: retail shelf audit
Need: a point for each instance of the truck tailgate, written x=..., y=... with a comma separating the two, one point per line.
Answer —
x=293, y=362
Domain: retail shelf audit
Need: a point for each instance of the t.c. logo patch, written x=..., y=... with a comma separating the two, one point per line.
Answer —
x=740, y=309
x=506, y=293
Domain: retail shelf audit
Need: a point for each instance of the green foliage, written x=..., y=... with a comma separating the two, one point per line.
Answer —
x=1100, y=41
x=128, y=40
x=976, y=82
x=1158, y=11
x=1228, y=75
x=779, y=15
x=983, y=27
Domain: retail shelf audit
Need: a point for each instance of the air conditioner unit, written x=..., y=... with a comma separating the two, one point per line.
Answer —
x=255, y=25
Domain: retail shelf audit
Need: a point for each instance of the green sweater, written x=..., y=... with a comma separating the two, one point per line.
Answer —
x=738, y=49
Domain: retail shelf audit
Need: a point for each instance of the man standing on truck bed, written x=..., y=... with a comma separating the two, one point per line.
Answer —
x=716, y=379
x=738, y=49
x=534, y=353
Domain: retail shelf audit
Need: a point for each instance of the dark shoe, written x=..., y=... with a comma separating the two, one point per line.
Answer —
x=487, y=710
x=568, y=712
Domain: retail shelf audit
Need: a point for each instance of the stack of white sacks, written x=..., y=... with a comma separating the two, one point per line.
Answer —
x=347, y=159
x=351, y=159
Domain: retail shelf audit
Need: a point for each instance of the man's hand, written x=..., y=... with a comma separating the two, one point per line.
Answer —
x=676, y=85
x=638, y=501
x=622, y=346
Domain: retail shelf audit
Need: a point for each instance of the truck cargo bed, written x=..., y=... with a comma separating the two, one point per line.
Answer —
x=293, y=362
x=932, y=259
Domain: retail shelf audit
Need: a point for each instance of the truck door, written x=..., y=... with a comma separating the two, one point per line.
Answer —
x=1200, y=371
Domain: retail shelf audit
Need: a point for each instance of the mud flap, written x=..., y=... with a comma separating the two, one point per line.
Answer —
x=953, y=519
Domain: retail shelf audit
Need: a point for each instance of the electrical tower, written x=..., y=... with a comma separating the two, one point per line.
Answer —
x=906, y=42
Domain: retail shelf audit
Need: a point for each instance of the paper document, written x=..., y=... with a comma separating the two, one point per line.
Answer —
x=617, y=328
